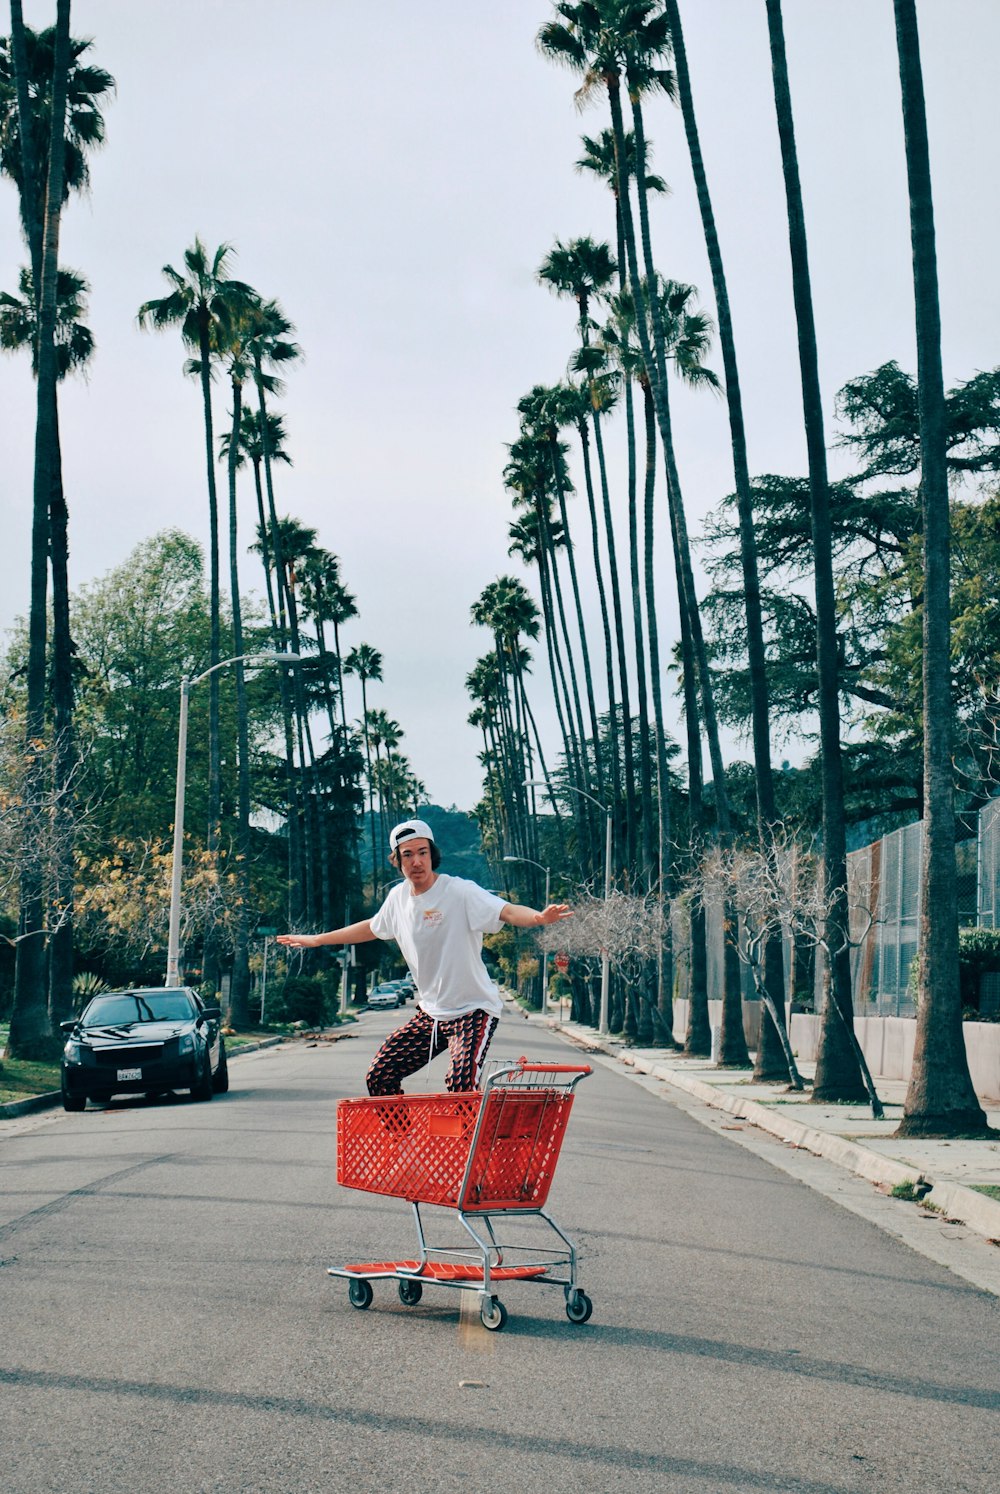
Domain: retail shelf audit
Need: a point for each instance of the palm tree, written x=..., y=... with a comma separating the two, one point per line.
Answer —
x=74, y=348
x=509, y=612
x=838, y=1072
x=528, y=543
x=483, y=685
x=37, y=69
x=295, y=544
x=600, y=39
x=366, y=663
x=584, y=270
x=235, y=356
x=74, y=342
x=271, y=348
x=327, y=600
x=940, y=1098
x=252, y=447
x=383, y=732
x=616, y=338
x=769, y=1057
x=546, y=411
x=599, y=159
x=30, y=1030
x=26, y=73
x=536, y=537
x=202, y=301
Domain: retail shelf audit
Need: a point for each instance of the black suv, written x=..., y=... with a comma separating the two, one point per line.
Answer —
x=143, y=1041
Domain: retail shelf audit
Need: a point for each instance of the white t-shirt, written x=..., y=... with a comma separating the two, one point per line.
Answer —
x=440, y=933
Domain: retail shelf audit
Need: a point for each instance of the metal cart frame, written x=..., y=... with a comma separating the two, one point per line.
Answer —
x=490, y=1157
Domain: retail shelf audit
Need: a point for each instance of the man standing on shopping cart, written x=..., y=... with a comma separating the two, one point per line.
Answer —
x=438, y=922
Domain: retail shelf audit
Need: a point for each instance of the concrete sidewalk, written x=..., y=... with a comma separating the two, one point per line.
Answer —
x=947, y=1175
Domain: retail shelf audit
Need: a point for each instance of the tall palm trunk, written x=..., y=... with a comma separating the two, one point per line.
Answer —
x=214, y=583
x=665, y=962
x=612, y=777
x=299, y=844
x=60, y=972
x=211, y=955
x=940, y=1098
x=838, y=1073
x=30, y=1033
x=240, y=989
x=368, y=772
x=588, y=674
x=557, y=672
x=698, y=1038
x=325, y=662
x=639, y=633
x=307, y=755
x=655, y=361
x=770, y=1057
x=552, y=584
x=279, y=636
x=63, y=755
x=628, y=764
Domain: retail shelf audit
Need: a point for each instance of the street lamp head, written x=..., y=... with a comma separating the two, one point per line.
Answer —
x=273, y=656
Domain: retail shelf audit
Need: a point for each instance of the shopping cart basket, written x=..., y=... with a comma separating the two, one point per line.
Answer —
x=491, y=1157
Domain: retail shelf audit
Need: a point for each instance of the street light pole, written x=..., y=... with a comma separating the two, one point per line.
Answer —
x=174, y=931
x=177, y=861
x=605, y=961
x=545, y=953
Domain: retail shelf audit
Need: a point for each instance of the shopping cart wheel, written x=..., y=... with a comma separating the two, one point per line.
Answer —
x=578, y=1307
x=410, y=1292
x=360, y=1293
x=493, y=1314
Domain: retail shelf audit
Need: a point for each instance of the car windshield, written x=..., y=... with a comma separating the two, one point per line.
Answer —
x=139, y=1006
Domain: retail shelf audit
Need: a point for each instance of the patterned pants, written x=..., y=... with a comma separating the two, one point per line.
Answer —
x=419, y=1040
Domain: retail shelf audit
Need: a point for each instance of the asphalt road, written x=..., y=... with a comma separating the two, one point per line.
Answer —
x=166, y=1323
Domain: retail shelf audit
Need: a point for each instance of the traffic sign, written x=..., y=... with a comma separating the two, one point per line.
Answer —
x=562, y=963
x=265, y=933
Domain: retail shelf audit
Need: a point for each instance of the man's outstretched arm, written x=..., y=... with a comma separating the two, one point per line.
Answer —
x=354, y=933
x=520, y=917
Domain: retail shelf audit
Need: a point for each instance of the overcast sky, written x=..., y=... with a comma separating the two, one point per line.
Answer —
x=394, y=174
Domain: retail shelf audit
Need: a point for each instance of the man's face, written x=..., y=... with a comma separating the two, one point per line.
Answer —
x=415, y=863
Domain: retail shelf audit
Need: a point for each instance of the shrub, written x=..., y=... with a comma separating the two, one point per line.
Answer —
x=978, y=955
x=86, y=985
x=302, y=998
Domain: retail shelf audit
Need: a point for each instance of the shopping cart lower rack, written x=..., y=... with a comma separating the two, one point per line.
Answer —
x=491, y=1157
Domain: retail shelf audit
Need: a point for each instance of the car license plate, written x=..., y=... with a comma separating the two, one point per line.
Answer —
x=125, y=1075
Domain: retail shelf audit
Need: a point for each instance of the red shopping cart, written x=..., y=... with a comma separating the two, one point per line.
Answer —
x=490, y=1157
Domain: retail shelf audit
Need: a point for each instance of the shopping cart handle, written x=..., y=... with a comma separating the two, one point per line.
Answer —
x=554, y=1068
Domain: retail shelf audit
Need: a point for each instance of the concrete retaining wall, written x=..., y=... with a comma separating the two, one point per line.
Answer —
x=887, y=1042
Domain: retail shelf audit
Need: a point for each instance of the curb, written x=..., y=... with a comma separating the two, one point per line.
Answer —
x=54, y=1097
x=25, y=1107
x=976, y=1210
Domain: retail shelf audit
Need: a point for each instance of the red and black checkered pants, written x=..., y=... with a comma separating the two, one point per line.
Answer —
x=420, y=1039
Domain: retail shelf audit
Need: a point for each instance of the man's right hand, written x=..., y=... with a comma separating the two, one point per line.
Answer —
x=298, y=941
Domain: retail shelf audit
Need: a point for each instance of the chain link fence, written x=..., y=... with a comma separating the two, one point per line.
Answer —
x=884, y=889
x=884, y=896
